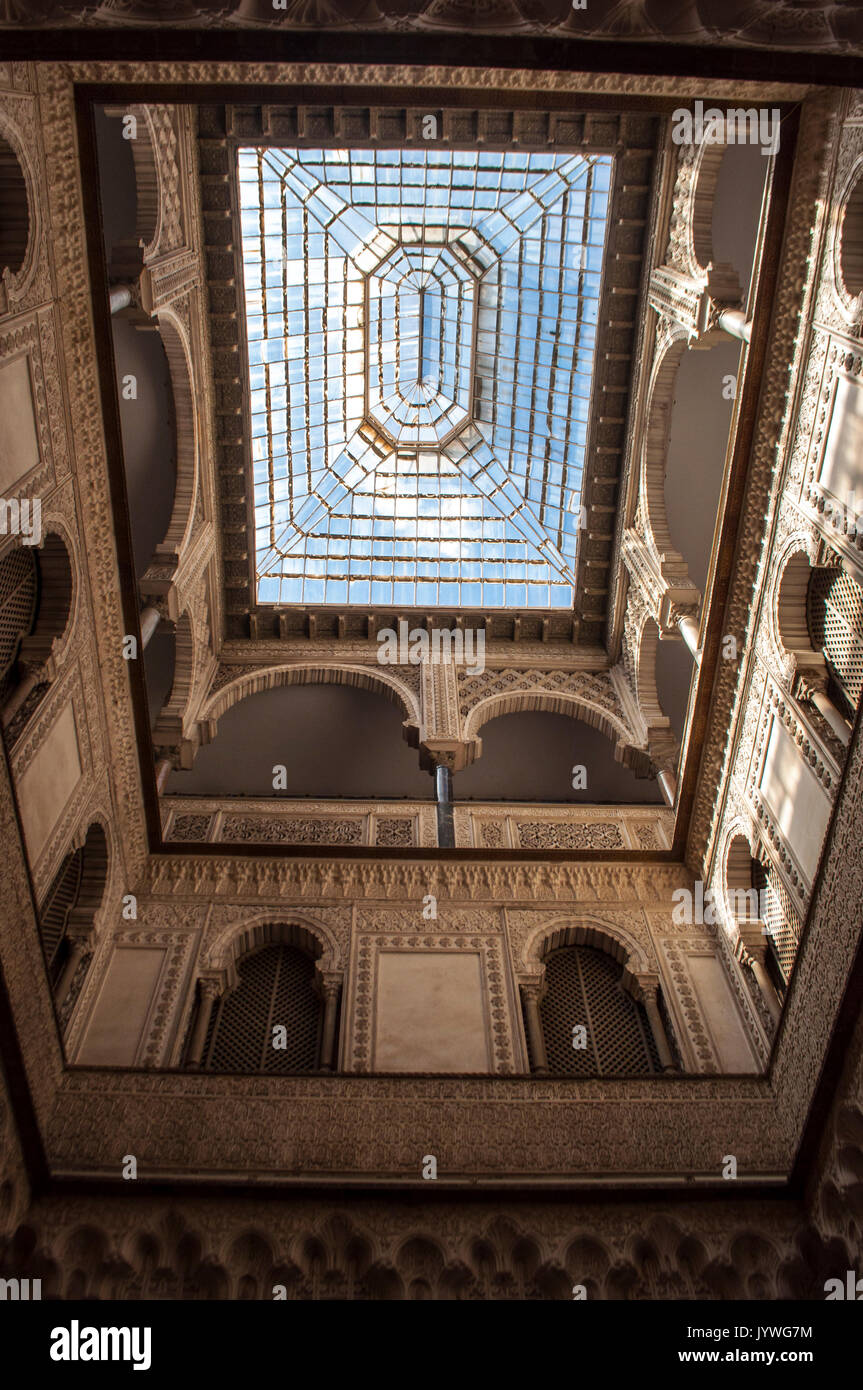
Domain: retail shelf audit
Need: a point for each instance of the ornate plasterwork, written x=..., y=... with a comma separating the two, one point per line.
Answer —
x=836, y=304
x=805, y=226
x=776, y=704
x=33, y=336
x=622, y=934
x=496, y=826
x=362, y=1010
x=592, y=698
x=30, y=285
x=180, y=876
x=378, y=678
x=225, y=925
x=296, y=822
x=837, y=519
x=684, y=1001
x=785, y=25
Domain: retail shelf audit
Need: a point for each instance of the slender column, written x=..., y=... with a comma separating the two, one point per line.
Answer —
x=754, y=939
x=77, y=951
x=688, y=629
x=164, y=767
x=735, y=323
x=667, y=785
x=443, y=792
x=150, y=619
x=209, y=993
x=120, y=297
x=331, y=989
x=657, y=1028
x=831, y=715
x=530, y=993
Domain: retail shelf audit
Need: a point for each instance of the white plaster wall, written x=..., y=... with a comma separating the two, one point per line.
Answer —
x=842, y=462
x=430, y=1012
x=47, y=784
x=792, y=792
x=720, y=1015
x=19, y=443
x=120, y=1013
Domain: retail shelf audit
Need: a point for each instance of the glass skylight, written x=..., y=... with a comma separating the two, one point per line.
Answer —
x=421, y=328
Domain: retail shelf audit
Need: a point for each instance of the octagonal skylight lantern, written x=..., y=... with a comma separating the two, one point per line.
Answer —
x=421, y=327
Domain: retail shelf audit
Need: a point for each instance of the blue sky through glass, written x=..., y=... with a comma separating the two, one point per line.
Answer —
x=421, y=327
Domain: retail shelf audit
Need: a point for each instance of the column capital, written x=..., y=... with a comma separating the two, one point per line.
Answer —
x=211, y=987
x=330, y=982
x=646, y=985
x=753, y=939
x=533, y=986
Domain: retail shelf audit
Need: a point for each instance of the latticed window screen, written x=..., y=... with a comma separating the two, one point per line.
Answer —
x=584, y=988
x=19, y=590
x=835, y=614
x=276, y=987
x=62, y=896
x=780, y=918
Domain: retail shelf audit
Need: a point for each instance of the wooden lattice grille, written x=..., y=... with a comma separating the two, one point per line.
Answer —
x=835, y=615
x=19, y=589
x=276, y=987
x=780, y=917
x=62, y=897
x=583, y=987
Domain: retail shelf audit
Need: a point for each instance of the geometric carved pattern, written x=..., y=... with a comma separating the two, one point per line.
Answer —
x=494, y=988
x=394, y=831
x=583, y=987
x=275, y=989
x=190, y=827
x=595, y=835
x=299, y=832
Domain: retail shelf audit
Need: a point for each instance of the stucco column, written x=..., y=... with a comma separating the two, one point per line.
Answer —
x=120, y=297
x=753, y=935
x=150, y=619
x=667, y=784
x=443, y=794
x=164, y=768
x=649, y=990
x=209, y=991
x=735, y=323
x=331, y=987
x=531, y=995
x=688, y=629
x=812, y=686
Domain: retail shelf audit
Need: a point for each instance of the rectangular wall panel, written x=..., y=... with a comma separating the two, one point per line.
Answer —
x=430, y=1014
x=719, y=1013
x=792, y=793
x=118, y=1019
x=47, y=784
x=19, y=442
x=842, y=463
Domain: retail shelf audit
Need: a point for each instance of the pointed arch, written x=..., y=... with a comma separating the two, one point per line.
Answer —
x=556, y=702
x=252, y=931
x=362, y=677
x=616, y=941
x=181, y=369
